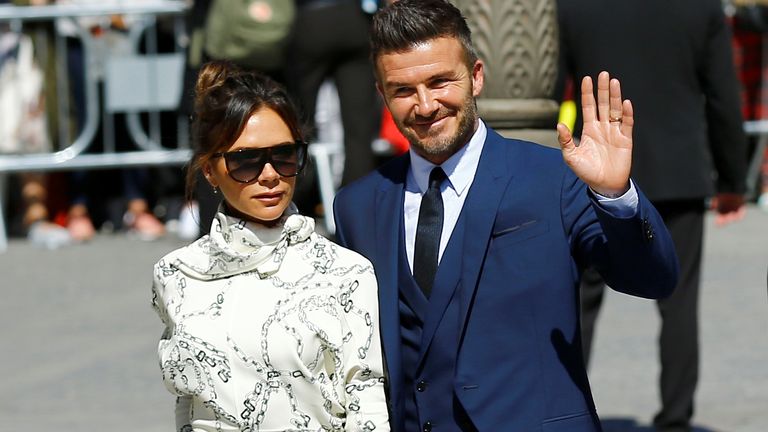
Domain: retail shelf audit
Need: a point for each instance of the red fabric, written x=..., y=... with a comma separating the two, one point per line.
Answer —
x=58, y=197
x=569, y=92
x=749, y=52
x=390, y=133
x=748, y=58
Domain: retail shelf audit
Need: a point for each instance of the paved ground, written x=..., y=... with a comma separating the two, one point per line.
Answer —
x=77, y=345
x=733, y=386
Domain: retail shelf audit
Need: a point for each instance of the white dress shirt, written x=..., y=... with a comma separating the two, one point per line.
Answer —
x=460, y=170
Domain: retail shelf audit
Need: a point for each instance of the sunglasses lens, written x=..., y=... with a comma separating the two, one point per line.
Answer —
x=246, y=165
x=247, y=172
x=285, y=160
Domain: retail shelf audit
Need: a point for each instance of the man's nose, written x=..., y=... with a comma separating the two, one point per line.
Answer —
x=426, y=104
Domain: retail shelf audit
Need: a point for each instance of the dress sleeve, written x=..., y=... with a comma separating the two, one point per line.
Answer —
x=364, y=392
x=163, y=297
x=160, y=305
x=158, y=300
x=166, y=299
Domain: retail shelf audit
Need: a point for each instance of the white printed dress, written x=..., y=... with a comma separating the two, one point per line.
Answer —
x=270, y=329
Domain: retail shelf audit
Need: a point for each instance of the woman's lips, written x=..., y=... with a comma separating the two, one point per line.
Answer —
x=269, y=198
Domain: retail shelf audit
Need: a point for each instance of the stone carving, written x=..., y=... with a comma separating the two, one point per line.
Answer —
x=518, y=41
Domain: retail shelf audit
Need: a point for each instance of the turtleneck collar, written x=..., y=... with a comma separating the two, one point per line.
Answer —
x=235, y=245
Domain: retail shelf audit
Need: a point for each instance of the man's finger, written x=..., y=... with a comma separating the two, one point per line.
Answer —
x=565, y=137
x=603, y=96
x=588, y=100
x=615, y=110
x=627, y=118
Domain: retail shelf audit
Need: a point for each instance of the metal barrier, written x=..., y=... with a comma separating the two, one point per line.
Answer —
x=757, y=128
x=133, y=83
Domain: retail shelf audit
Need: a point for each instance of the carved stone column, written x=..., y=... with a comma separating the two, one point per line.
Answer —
x=518, y=42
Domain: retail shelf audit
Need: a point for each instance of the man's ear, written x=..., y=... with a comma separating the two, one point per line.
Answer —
x=478, y=77
x=380, y=90
x=381, y=94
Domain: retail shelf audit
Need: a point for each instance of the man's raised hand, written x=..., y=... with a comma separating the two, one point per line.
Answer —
x=603, y=157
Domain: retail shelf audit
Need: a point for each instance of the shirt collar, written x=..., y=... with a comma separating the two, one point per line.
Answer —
x=460, y=168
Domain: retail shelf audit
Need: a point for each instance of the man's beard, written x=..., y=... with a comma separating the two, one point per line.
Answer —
x=446, y=147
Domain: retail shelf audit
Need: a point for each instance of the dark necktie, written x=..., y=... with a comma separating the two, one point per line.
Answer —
x=428, y=233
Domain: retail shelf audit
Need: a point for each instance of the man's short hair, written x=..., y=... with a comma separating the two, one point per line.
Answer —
x=406, y=23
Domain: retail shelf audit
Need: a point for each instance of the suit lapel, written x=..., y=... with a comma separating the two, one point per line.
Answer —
x=491, y=181
x=463, y=257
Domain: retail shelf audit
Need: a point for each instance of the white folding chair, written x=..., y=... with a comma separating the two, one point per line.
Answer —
x=325, y=157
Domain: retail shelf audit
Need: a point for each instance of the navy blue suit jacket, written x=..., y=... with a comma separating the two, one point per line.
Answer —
x=530, y=225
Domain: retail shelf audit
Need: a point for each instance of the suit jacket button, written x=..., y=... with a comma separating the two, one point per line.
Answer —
x=427, y=426
x=421, y=386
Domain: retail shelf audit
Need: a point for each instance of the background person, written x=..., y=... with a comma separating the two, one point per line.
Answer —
x=680, y=75
x=24, y=130
x=330, y=41
x=749, y=21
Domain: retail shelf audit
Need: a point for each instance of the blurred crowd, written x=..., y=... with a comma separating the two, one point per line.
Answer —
x=318, y=49
x=55, y=209
x=311, y=43
x=749, y=22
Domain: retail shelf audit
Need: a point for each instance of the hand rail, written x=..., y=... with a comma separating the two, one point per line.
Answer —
x=63, y=159
x=72, y=154
x=758, y=128
x=105, y=8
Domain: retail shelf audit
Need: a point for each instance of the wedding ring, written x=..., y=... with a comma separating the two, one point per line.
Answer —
x=614, y=119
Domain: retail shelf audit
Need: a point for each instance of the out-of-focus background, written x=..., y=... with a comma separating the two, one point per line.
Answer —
x=94, y=134
x=78, y=339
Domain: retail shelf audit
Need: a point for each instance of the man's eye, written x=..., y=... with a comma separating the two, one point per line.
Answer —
x=438, y=83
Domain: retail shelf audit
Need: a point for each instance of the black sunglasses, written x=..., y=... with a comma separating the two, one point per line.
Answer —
x=245, y=165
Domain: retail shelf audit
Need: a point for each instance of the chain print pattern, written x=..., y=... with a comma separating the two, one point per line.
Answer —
x=320, y=317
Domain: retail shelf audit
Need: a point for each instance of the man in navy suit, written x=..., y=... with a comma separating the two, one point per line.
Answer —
x=481, y=327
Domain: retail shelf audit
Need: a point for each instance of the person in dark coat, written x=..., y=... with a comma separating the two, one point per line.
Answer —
x=675, y=63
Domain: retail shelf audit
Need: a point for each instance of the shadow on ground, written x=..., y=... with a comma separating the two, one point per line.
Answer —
x=621, y=424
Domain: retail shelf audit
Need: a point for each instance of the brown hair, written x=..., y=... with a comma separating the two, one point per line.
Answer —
x=405, y=23
x=225, y=98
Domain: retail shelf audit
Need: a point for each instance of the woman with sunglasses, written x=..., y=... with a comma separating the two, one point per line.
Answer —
x=269, y=326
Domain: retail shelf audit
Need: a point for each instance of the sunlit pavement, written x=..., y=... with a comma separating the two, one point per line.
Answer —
x=78, y=339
